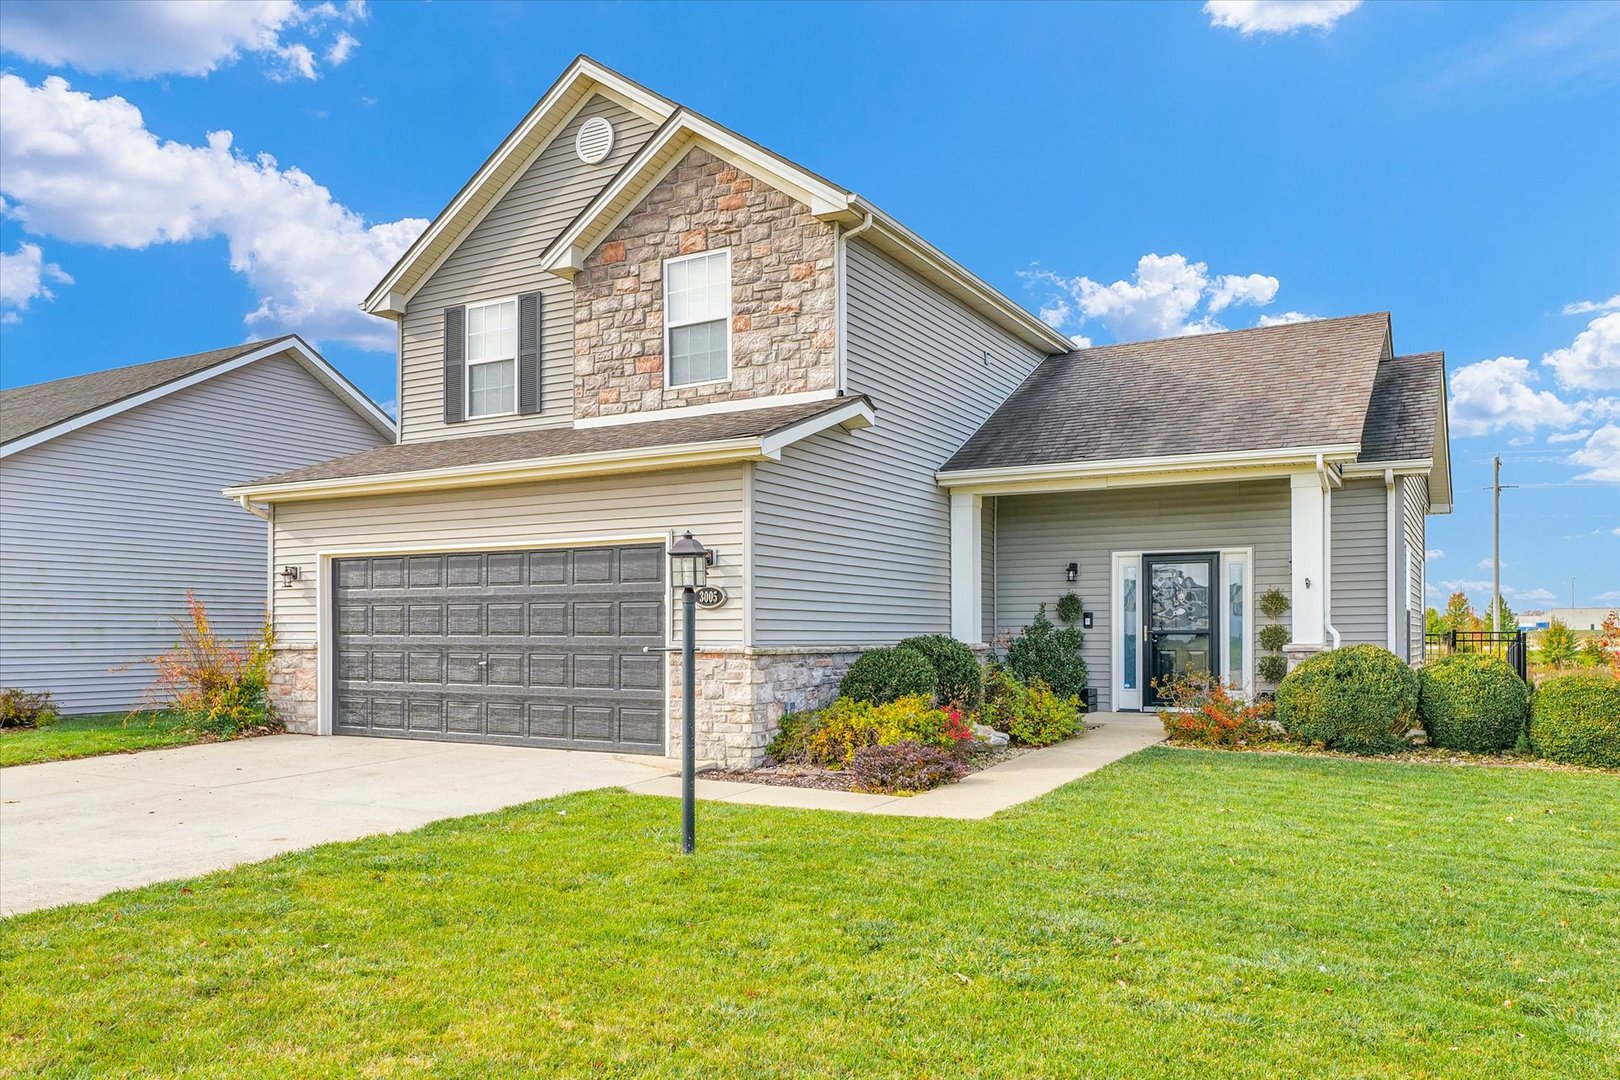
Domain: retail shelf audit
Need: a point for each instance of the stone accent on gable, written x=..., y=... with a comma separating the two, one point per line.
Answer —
x=783, y=293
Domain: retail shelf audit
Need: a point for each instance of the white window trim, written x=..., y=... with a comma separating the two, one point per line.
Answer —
x=669, y=354
x=468, y=363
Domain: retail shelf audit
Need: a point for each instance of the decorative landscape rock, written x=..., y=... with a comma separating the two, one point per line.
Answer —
x=991, y=737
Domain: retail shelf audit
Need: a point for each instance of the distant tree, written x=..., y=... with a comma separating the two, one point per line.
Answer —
x=1505, y=618
x=1459, y=613
x=1592, y=652
x=1558, y=645
x=1432, y=623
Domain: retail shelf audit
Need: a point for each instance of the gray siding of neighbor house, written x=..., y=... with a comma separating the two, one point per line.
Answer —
x=851, y=532
x=1038, y=535
x=103, y=530
x=1416, y=502
x=1360, y=563
x=499, y=259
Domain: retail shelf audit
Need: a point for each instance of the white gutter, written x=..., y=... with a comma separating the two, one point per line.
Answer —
x=252, y=507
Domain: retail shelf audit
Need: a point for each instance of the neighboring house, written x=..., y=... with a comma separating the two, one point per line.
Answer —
x=633, y=322
x=110, y=507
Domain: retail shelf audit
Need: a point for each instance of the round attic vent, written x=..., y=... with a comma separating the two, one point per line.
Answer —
x=594, y=141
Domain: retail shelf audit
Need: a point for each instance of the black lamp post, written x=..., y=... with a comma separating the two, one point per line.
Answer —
x=688, y=572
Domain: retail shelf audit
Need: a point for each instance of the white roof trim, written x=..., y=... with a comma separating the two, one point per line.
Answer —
x=312, y=360
x=1033, y=477
x=379, y=300
x=709, y=408
x=852, y=417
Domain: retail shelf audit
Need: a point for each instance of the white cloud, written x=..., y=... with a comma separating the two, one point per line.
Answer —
x=1432, y=554
x=1529, y=596
x=1522, y=440
x=1600, y=456
x=1485, y=563
x=1494, y=394
x=88, y=171
x=1277, y=16
x=1286, y=318
x=1592, y=360
x=177, y=37
x=1587, y=307
x=25, y=276
x=1167, y=296
x=1609, y=597
x=1483, y=589
x=1578, y=435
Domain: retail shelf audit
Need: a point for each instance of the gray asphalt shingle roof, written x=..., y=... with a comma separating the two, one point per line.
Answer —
x=1406, y=401
x=558, y=442
x=1296, y=385
x=25, y=410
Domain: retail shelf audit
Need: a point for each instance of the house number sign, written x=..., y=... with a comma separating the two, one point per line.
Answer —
x=711, y=596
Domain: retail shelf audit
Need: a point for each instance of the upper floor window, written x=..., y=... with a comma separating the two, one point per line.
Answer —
x=697, y=318
x=492, y=348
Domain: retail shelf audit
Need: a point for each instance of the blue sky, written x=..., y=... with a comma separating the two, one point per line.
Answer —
x=1128, y=170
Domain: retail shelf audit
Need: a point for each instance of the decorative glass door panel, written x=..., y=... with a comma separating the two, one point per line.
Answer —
x=1181, y=617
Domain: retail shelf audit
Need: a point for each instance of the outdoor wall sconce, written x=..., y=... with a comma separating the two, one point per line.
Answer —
x=1071, y=572
x=289, y=574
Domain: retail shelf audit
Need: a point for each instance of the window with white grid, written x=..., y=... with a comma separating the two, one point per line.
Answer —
x=697, y=318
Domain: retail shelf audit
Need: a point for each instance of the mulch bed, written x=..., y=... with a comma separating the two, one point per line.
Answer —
x=814, y=776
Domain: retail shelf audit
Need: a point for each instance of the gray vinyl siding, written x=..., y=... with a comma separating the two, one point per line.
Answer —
x=851, y=532
x=1360, y=563
x=102, y=530
x=1416, y=501
x=1037, y=536
x=499, y=259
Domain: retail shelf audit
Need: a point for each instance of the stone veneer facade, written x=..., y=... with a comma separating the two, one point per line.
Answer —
x=783, y=293
x=294, y=688
x=743, y=693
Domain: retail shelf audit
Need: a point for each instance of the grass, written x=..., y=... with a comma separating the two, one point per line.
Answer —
x=1180, y=913
x=97, y=733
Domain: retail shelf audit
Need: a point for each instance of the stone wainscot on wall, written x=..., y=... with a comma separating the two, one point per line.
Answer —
x=742, y=695
x=783, y=293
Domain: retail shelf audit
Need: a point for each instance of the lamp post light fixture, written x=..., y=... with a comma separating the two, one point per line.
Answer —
x=688, y=572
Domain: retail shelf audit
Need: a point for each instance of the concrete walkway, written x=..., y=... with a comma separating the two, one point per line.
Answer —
x=76, y=830
x=1108, y=737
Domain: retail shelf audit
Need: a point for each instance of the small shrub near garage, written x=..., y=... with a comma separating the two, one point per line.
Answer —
x=904, y=768
x=1051, y=654
x=836, y=733
x=1575, y=719
x=1360, y=698
x=26, y=708
x=215, y=686
x=961, y=680
x=1202, y=710
x=884, y=675
x=1032, y=713
x=1472, y=701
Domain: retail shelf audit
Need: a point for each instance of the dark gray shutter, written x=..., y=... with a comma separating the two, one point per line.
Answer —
x=455, y=363
x=528, y=358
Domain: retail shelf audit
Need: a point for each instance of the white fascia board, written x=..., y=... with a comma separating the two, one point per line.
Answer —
x=1402, y=467
x=583, y=68
x=851, y=417
x=1099, y=473
x=311, y=360
x=643, y=459
x=710, y=408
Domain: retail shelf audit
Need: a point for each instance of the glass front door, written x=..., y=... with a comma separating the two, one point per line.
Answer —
x=1180, y=617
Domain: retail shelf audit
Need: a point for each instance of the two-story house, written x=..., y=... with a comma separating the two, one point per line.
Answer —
x=632, y=322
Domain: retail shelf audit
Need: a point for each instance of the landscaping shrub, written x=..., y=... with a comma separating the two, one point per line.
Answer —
x=1360, y=698
x=1472, y=701
x=1031, y=713
x=903, y=768
x=26, y=708
x=788, y=745
x=960, y=679
x=214, y=686
x=848, y=725
x=1271, y=669
x=1575, y=719
x=884, y=675
x=1273, y=636
x=1045, y=652
x=1202, y=710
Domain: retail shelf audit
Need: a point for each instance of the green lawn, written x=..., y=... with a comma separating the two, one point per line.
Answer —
x=1180, y=913
x=98, y=733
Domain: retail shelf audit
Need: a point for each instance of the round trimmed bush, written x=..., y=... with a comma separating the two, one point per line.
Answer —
x=1575, y=719
x=1362, y=699
x=961, y=680
x=1472, y=701
x=883, y=675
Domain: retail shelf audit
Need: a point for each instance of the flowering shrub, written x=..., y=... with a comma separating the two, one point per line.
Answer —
x=832, y=736
x=1032, y=713
x=26, y=708
x=1202, y=709
x=213, y=685
x=903, y=768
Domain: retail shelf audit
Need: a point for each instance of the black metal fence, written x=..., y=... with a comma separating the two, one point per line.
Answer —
x=1511, y=645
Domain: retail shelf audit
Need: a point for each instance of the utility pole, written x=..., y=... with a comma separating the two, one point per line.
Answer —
x=1496, y=543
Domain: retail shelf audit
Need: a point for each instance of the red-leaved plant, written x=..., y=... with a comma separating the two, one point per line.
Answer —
x=214, y=685
x=1201, y=709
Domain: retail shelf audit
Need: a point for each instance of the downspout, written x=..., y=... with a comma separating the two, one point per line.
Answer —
x=1327, y=562
x=843, y=300
x=253, y=508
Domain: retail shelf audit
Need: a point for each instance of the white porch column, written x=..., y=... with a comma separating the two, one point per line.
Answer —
x=967, y=567
x=1309, y=553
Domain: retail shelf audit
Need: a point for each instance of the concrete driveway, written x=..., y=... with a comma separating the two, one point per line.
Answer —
x=76, y=830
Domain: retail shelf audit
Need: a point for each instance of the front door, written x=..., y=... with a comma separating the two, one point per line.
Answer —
x=1179, y=617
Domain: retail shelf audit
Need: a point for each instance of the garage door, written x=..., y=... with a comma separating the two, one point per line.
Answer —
x=535, y=648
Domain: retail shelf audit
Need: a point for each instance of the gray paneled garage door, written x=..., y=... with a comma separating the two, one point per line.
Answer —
x=539, y=648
